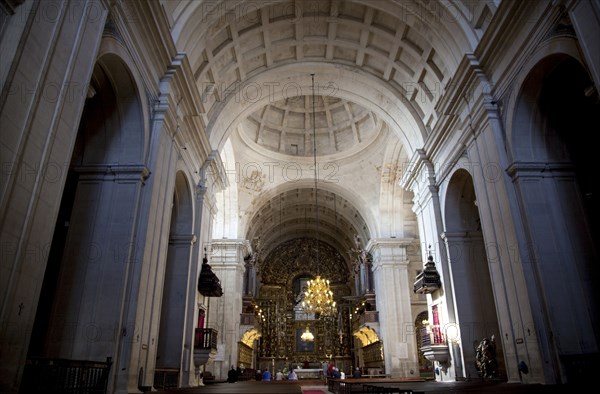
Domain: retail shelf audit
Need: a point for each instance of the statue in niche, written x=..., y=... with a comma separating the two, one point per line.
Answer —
x=485, y=358
x=361, y=254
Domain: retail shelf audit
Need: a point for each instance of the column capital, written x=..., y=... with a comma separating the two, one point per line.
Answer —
x=121, y=173
x=227, y=243
x=420, y=178
x=461, y=236
x=182, y=239
x=532, y=170
x=213, y=172
x=389, y=251
x=388, y=242
x=393, y=290
x=228, y=253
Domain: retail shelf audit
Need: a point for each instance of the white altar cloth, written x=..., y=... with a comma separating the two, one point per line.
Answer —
x=309, y=373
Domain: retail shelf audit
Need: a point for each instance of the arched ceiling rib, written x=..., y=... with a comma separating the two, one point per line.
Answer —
x=349, y=84
x=291, y=214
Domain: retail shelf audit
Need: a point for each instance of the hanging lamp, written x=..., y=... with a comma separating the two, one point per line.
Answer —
x=307, y=336
x=318, y=297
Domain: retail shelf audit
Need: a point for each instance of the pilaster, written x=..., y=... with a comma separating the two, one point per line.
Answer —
x=226, y=258
x=390, y=271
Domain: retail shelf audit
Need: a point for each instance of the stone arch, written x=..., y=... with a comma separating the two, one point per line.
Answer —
x=336, y=204
x=425, y=366
x=523, y=120
x=554, y=112
x=182, y=218
x=470, y=273
x=347, y=83
x=552, y=166
x=112, y=124
x=170, y=347
x=94, y=236
x=122, y=74
x=460, y=209
x=271, y=36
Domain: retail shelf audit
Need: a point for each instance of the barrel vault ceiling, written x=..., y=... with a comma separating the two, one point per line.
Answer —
x=380, y=67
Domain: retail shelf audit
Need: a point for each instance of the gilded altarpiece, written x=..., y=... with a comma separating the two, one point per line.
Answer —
x=283, y=275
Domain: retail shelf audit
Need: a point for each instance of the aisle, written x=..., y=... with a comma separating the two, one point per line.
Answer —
x=315, y=389
x=246, y=387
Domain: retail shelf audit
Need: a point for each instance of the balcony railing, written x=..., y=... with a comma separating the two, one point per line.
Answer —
x=205, y=338
x=45, y=375
x=433, y=337
x=205, y=345
x=433, y=345
x=166, y=378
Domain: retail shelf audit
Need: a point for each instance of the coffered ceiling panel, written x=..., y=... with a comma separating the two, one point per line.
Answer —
x=286, y=126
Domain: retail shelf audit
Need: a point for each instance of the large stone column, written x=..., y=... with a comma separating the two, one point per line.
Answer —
x=420, y=178
x=175, y=304
x=227, y=261
x=139, y=310
x=519, y=311
x=212, y=180
x=475, y=311
x=390, y=263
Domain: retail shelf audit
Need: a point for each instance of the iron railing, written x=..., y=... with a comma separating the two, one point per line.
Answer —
x=62, y=376
x=166, y=378
x=205, y=338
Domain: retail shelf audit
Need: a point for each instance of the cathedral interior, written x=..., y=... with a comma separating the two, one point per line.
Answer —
x=194, y=185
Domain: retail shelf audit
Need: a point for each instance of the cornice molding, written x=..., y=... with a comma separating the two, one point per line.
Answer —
x=533, y=170
x=116, y=173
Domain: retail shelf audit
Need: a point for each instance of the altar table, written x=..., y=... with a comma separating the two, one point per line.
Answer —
x=309, y=373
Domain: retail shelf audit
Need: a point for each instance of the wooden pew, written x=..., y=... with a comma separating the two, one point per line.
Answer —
x=370, y=385
x=369, y=388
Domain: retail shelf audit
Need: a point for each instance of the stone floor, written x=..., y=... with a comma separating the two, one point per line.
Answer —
x=470, y=387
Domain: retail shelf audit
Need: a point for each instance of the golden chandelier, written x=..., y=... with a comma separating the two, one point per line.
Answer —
x=318, y=297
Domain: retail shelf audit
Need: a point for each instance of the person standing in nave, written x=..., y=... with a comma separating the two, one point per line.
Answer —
x=232, y=375
x=330, y=369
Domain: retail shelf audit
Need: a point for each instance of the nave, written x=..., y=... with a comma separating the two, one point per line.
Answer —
x=399, y=187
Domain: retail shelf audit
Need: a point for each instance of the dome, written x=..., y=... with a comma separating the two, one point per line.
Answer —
x=286, y=126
